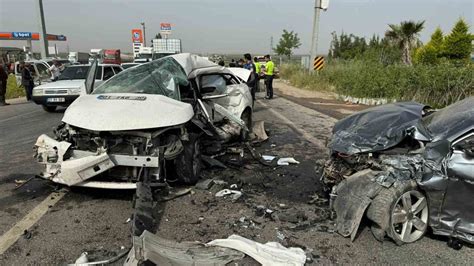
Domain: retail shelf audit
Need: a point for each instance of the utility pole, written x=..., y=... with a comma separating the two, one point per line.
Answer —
x=42, y=32
x=271, y=45
x=314, y=38
x=144, y=34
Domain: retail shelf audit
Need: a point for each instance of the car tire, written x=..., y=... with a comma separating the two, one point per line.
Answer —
x=49, y=109
x=247, y=118
x=400, y=212
x=188, y=163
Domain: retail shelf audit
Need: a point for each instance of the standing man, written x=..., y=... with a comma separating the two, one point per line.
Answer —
x=3, y=85
x=258, y=70
x=269, y=67
x=55, y=70
x=253, y=79
x=27, y=80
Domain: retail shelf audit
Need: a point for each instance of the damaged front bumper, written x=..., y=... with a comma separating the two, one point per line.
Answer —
x=76, y=167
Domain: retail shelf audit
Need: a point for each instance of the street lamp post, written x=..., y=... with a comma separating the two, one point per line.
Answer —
x=144, y=34
x=314, y=38
x=42, y=31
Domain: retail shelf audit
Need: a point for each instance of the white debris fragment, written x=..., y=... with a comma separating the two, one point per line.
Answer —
x=269, y=254
x=82, y=259
x=287, y=161
x=225, y=192
x=268, y=158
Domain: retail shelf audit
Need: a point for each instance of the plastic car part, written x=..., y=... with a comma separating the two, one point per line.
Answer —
x=401, y=211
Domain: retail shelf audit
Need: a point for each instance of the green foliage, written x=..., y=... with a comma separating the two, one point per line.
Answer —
x=438, y=85
x=13, y=91
x=405, y=36
x=347, y=46
x=288, y=41
x=432, y=52
x=457, y=45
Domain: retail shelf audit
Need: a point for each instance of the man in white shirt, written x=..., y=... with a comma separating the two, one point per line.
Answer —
x=55, y=71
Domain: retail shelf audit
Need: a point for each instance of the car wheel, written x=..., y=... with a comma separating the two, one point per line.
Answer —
x=247, y=118
x=188, y=163
x=49, y=109
x=401, y=212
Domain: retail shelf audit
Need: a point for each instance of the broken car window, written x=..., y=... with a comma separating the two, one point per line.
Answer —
x=163, y=77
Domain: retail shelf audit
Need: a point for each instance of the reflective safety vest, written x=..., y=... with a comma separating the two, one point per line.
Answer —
x=258, y=67
x=269, y=67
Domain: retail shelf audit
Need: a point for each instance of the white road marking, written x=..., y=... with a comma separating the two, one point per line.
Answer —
x=12, y=235
x=318, y=143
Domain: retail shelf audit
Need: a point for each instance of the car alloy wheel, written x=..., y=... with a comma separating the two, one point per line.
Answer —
x=409, y=217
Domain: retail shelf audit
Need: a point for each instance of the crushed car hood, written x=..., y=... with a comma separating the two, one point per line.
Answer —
x=126, y=111
x=377, y=128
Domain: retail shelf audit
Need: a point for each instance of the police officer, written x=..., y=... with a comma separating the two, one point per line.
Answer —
x=258, y=70
x=269, y=68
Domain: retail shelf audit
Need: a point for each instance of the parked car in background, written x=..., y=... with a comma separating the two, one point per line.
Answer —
x=406, y=168
x=70, y=85
x=41, y=73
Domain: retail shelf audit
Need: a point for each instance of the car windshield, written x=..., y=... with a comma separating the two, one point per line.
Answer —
x=125, y=66
x=161, y=77
x=451, y=120
x=76, y=72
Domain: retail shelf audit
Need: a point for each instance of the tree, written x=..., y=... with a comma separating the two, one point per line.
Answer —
x=457, y=45
x=158, y=36
x=432, y=51
x=405, y=36
x=288, y=41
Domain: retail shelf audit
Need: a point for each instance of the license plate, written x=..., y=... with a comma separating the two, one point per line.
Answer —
x=56, y=100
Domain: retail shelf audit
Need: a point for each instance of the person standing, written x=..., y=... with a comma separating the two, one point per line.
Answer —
x=269, y=68
x=27, y=80
x=55, y=70
x=253, y=79
x=3, y=85
x=258, y=70
x=232, y=63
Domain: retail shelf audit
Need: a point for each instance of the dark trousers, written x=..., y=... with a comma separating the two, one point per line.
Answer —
x=3, y=91
x=29, y=91
x=269, y=86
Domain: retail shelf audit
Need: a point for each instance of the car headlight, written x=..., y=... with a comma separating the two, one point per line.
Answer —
x=75, y=91
x=37, y=92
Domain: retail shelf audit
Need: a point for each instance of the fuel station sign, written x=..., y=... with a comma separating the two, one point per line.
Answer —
x=137, y=36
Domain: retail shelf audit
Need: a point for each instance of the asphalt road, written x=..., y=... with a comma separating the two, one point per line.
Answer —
x=95, y=221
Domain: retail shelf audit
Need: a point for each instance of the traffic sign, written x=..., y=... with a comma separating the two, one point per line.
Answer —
x=318, y=63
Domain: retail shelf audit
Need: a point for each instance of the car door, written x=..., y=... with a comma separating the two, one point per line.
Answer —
x=457, y=204
x=212, y=88
x=91, y=76
x=43, y=74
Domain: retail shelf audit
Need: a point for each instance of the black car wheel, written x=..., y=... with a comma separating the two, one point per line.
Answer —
x=401, y=212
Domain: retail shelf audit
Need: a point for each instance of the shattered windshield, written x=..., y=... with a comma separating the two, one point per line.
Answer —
x=162, y=77
x=77, y=72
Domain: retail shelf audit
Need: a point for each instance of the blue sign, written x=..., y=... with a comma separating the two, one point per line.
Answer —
x=61, y=38
x=21, y=35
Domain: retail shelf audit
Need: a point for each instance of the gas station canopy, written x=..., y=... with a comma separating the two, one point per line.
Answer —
x=18, y=36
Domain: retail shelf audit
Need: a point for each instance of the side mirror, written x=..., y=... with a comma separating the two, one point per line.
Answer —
x=205, y=90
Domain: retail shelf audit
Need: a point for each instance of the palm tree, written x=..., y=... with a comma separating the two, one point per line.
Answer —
x=405, y=36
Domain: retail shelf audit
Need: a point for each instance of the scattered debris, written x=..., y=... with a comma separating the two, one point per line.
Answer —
x=82, y=259
x=128, y=220
x=26, y=234
x=162, y=251
x=175, y=194
x=287, y=161
x=212, y=162
x=205, y=184
x=259, y=131
x=268, y=158
x=20, y=182
x=271, y=253
x=273, y=145
x=280, y=235
x=235, y=194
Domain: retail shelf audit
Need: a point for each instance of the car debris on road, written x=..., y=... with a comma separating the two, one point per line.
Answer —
x=405, y=168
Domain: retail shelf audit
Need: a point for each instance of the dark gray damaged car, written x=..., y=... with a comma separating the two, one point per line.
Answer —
x=405, y=168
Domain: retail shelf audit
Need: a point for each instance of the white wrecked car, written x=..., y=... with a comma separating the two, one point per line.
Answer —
x=147, y=124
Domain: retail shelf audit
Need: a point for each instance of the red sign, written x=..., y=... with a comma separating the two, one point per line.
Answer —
x=29, y=36
x=137, y=36
x=165, y=28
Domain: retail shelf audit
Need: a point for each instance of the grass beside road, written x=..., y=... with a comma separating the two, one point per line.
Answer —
x=438, y=85
x=13, y=90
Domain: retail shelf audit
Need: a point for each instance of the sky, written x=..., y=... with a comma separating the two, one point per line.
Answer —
x=222, y=26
